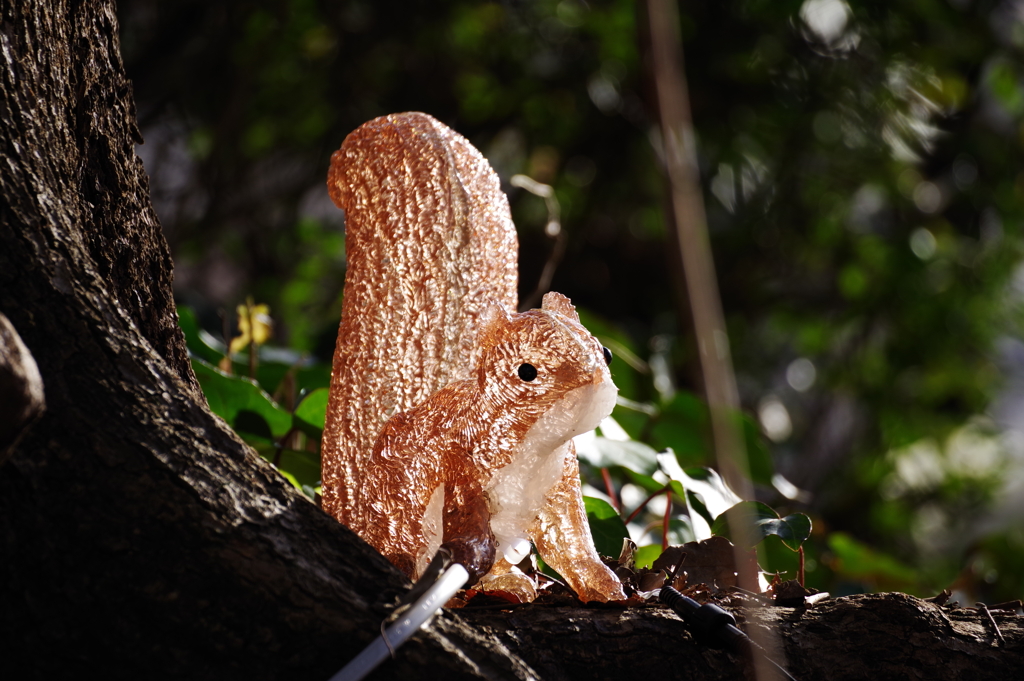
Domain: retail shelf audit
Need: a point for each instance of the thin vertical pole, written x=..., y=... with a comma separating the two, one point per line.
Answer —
x=687, y=204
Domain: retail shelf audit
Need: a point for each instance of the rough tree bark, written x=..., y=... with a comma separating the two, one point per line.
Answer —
x=870, y=636
x=140, y=538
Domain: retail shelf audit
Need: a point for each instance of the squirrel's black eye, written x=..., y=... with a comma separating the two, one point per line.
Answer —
x=527, y=372
x=607, y=355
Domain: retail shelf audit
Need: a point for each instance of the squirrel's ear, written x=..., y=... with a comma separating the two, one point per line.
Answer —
x=556, y=302
x=493, y=319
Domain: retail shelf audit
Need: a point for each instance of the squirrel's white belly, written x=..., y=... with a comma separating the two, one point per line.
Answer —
x=517, y=491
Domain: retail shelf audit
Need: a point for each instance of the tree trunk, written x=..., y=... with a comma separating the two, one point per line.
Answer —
x=140, y=538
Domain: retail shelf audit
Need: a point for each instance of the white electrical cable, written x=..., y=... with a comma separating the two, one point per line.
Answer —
x=517, y=550
x=398, y=633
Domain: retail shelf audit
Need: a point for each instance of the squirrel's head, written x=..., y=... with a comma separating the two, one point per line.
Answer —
x=535, y=360
x=549, y=378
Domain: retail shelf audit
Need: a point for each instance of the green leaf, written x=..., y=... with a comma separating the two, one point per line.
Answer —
x=269, y=374
x=304, y=466
x=683, y=426
x=753, y=514
x=237, y=400
x=798, y=529
x=276, y=363
x=855, y=560
x=630, y=454
x=645, y=555
x=195, y=339
x=547, y=569
x=761, y=521
x=300, y=467
x=759, y=458
x=252, y=423
x=606, y=526
x=695, y=504
x=649, y=484
x=715, y=496
x=313, y=376
x=311, y=412
x=633, y=417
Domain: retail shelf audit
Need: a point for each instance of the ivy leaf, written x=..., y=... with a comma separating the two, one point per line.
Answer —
x=239, y=401
x=760, y=521
x=299, y=467
x=695, y=504
x=682, y=426
x=199, y=343
x=707, y=495
x=249, y=422
x=311, y=413
x=649, y=484
x=636, y=456
x=759, y=458
x=646, y=555
x=606, y=526
x=799, y=526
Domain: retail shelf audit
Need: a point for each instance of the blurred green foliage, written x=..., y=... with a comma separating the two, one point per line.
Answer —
x=863, y=176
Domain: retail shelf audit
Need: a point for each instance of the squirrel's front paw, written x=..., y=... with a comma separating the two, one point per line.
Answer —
x=515, y=583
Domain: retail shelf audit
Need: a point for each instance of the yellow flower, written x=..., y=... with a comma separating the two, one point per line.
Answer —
x=254, y=326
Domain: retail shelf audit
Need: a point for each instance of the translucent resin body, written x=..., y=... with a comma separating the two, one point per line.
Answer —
x=434, y=433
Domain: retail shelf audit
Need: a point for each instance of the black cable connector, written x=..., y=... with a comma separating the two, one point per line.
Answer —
x=714, y=624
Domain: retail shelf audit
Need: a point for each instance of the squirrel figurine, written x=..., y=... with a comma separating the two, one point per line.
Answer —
x=450, y=419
